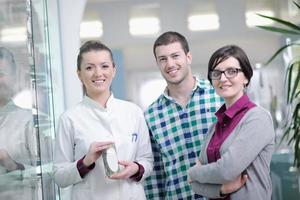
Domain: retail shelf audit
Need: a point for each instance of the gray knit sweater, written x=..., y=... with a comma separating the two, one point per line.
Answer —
x=250, y=146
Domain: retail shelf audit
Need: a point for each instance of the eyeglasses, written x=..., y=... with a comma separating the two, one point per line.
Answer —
x=229, y=73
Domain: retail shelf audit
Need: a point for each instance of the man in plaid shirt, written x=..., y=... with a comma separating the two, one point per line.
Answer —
x=177, y=120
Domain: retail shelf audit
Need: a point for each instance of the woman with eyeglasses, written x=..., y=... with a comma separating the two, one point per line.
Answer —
x=235, y=160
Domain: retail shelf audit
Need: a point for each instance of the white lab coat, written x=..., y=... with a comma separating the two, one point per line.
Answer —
x=121, y=122
x=18, y=139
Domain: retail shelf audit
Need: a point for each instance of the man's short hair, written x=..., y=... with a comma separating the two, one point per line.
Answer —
x=171, y=37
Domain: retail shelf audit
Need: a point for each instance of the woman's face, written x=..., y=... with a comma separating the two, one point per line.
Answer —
x=231, y=89
x=7, y=79
x=96, y=73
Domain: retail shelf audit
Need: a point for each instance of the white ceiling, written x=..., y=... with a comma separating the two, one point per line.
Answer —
x=137, y=51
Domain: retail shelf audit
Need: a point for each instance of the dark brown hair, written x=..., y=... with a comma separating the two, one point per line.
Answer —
x=7, y=55
x=171, y=37
x=92, y=45
x=231, y=51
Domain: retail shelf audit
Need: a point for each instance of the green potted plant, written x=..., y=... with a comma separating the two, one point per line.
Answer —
x=292, y=82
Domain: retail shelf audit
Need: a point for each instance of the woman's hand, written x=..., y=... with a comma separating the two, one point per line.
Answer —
x=95, y=151
x=198, y=163
x=6, y=161
x=130, y=168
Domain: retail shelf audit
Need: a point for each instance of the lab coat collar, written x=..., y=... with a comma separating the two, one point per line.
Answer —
x=87, y=100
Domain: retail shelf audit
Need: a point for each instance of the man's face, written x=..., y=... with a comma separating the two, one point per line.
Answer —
x=6, y=80
x=173, y=63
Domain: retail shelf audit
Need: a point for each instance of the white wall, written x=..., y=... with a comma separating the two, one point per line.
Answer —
x=70, y=15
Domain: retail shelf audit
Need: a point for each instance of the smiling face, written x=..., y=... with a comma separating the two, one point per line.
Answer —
x=173, y=62
x=96, y=73
x=231, y=89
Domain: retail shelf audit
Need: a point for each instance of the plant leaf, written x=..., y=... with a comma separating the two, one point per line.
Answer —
x=297, y=94
x=297, y=80
x=280, y=30
x=289, y=83
x=283, y=22
x=291, y=126
x=296, y=4
x=297, y=145
x=279, y=51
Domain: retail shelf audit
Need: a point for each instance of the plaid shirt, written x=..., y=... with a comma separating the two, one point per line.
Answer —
x=176, y=136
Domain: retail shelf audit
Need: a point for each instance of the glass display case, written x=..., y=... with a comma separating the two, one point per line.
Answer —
x=27, y=91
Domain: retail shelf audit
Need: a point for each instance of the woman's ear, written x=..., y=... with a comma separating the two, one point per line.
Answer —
x=245, y=83
x=114, y=71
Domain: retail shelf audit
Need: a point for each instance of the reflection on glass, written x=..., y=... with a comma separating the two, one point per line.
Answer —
x=26, y=128
x=41, y=86
x=18, y=142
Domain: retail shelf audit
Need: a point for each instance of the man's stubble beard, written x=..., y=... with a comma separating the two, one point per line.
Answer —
x=177, y=82
x=6, y=93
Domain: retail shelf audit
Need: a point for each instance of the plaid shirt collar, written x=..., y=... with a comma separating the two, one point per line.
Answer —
x=165, y=95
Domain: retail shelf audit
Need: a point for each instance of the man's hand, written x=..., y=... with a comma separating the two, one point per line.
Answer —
x=6, y=161
x=234, y=185
x=95, y=151
x=130, y=168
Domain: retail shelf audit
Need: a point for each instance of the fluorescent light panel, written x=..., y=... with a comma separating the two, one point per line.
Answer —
x=144, y=26
x=252, y=19
x=205, y=22
x=91, y=29
x=16, y=34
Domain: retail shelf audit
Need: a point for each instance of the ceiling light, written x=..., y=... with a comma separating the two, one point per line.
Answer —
x=91, y=29
x=252, y=19
x=203, y=22
x=144, y=26
x=16, y=34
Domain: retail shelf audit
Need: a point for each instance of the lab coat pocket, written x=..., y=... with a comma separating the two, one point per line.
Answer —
x=136, y=191
x=81, y=192
x=83, y=184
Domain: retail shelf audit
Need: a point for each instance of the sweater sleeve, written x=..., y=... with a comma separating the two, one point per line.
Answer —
x=254, y=134
x=207, y=190
x=82, y=169
x=139, y=174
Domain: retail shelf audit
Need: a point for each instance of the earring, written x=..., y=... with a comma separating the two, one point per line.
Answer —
x=245, y=88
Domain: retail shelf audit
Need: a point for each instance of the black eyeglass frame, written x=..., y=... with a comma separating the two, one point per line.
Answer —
x=237, y=70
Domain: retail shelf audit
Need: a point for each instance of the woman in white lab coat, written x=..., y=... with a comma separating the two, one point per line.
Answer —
x=92, y=126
